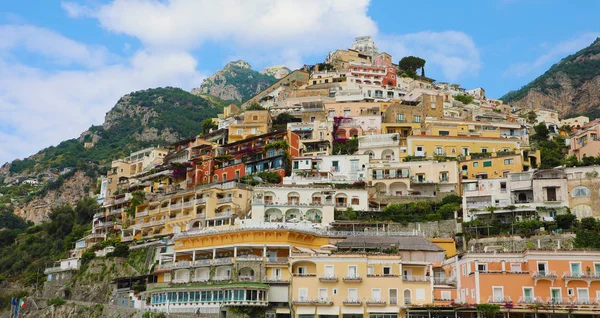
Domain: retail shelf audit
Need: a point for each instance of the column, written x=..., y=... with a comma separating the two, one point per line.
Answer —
x=265, y=251
x=193, y=256
x=503, y=265
x=214, y=253
x=174, y=257
x=290, y=251
x=234, y=251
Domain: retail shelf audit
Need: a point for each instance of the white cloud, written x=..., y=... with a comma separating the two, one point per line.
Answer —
x=553, y=54
x=452, y=53
x=52, y=45
x=42, y=108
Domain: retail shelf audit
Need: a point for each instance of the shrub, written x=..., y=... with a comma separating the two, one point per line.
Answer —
x=56, y=302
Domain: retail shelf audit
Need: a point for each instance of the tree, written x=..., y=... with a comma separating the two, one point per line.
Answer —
x=284, y=118
x=255, y=106
x=465, y=99
x=409, y=65
x=531, y=117
x=488, y=310
x=541, y=132
x=62, y=219
x=207, y=125
x=572, y=161
x=347, y=147
x=85, y=210
x=565, y=221
x=589, y=223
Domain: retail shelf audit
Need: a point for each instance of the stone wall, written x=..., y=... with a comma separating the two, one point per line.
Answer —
x=518, y=244
x=431, y=229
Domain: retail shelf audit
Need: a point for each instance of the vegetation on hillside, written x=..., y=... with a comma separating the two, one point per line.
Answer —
x=552, y=151
x=245, y=80
x=575, y=66
x=178, y=111
x=409, y=65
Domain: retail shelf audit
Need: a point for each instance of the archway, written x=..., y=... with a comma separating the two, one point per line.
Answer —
x=407, y=297
x=273, y=215
x=398, y=188
x=292, y=215
x=387, y=154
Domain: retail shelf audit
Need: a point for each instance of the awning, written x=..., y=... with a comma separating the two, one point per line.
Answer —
x=387, y=309
x=282, y=311
x=303, y=310
x=353, y=310
x=304, y=249
x=333, y=310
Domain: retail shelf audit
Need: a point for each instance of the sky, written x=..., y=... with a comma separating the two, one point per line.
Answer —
x=64, y=64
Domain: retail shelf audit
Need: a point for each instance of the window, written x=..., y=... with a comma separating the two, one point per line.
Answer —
x=556, y=295
x=503, y=188
x=439, y=151
x=295, y=164
x=444, y=133
x=464, y=270
x=570, y=292
x=352, y=271
x=376, y=294
x=303, y=294
x=346, y=112
x=167, y=277
x=301, y=270
x=335, y=291
x=528, y=295
x=420, y=294
x=498, y=294
x=542, y=268
x=484, y=150
x=575, y=269
x=329, y=272
x=322, y=293
x=475, y=164
x=417, y=119
x=255, y=117
x=312, y=119
x=400, y=118
x=580, y=191
x=597, y=268
x=387, y=270
x=509, y=161
x=482, y=267
x=370, y=270
x=487, y=163
x=352, y=294
x=446, y=295
x=355, y=201
x=331, y=113
x=515, y=267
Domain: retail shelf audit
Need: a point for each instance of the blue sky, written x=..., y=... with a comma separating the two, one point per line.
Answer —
x=63, y=64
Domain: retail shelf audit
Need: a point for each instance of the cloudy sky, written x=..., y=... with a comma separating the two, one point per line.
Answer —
x=63, y=64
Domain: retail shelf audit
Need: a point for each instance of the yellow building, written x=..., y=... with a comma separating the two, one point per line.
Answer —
x=492, y=165
x=249, y=124
x=341, y=59
x=207, y=206
x=428, y=146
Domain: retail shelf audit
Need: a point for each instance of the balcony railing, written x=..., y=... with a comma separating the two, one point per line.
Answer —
x=276, y=279
x=277, y=260
x=98, y=215
x=328, y=278
x=253, y=258
x=544, y=275
x=127, y=238
x=200, y=201
x=57, y=269
x=499, y=299
x=188, y=204
x=577, y=275
x=141, y=214
x=224, y=200
x=352, y=278
x=375, y=302
x=224, y=260
x=304, y=275
x=415, y=278
x=312, y=301
x=352, y=302
x=175, y=206
x=530, y=300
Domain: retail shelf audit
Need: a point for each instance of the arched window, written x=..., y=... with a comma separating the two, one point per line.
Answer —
x=582, y=211
x=580, y=191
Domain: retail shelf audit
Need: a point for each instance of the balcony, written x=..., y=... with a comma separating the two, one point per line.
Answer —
x=188, y=204
x=200, y=201
x=499, y=300
x=312, y=301
x=224, y=200
x=415, y=279
x=223, y=261
x=142, y=214
x=530, y=300
x=375, y=302
x=105, y=224
x=221, y=278
x=553, y=199
x=98, y=215
x=277, y=260
x=201, y=262
x=352, y=302
x=352, y=279
x=276, y=280
x=328, y=279
x=127, y=238
x=176, y=206
x=249, y=258
x=544, y=275
x=304, y=275
x=56, y=269
x=115, y=211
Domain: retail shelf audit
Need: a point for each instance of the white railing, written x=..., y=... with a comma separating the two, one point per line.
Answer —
x=141, y=214
x=499, y=299
x=127, y=238
x=175, y=206
x=224, y=200
x=544, y=274
x=250, y=258
x=415, y=278
x=200, y=201
x=224, y=260
x=530, y=300
x=188, y=204
x=98, y=215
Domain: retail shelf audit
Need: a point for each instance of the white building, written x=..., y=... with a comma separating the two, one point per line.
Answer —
x=381, y=147
x=308, y=204
x=328, y=169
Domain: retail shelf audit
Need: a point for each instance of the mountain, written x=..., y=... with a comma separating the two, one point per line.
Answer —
x=140, y=119
x=277, y=71
x=236, y=82
x=571, y=86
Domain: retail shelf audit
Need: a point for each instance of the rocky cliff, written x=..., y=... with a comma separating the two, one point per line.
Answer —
x=73, y=189
x=572, y=86
x=277, y=71
x=235, y=82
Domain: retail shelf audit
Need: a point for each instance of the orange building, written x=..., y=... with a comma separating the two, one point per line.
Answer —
x=559, y=282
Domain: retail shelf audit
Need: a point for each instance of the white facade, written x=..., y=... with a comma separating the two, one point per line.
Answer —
x=305, y=204
x=328, y=169
x=380, y=147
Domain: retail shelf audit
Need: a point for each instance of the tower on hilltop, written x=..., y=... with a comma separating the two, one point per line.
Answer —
x=366, y=46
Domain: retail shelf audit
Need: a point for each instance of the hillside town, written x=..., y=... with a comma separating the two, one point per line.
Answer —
x=300, y=202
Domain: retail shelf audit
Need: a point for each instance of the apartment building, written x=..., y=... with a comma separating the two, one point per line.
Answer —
x=307, y=204
x=575, y=122
x=341, y=59
x=351, y=284
x=403, y=120
x=489, y=165
x=428, y=146
x=413, y=179
x=328, y=169
x=555, y=282
x=314, y=131
x=353, y=127
x=249, y=124
x=385, y=147
x=521, y=195
x=287, y=84
x=584, y=191
x=585, y=142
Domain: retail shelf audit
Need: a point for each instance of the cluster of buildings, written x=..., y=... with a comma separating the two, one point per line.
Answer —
x=245, y=215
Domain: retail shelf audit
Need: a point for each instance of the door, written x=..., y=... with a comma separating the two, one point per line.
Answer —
x=551, y=194
x=303, y=294
x=498, y=295
x=555, y=294
x=352, y=271
x=583, y=296
x=277, y=273
x=393, y=296
x=329, y=271
x=542, y=268
x=528, y=295
x=376, y=294
x=407, y=273
x=322, y=293
x=576, y=269
x=353, y=294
